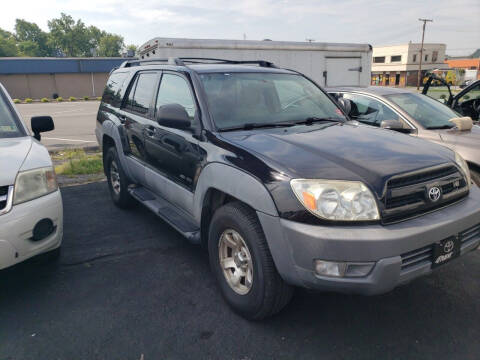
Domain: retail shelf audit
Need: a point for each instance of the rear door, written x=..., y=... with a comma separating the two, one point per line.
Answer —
x=342, y=71
x=137, y=110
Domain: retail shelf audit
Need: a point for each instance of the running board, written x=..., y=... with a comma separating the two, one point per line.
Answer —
x=175, y=217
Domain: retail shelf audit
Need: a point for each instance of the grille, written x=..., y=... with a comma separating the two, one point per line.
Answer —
x=417, y=257
x=407, y=195
x=3, y=197
x=470, y=235
x=424, y=255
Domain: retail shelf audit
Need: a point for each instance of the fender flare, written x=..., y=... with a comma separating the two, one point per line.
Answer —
x=110, y=129
x=233, y=182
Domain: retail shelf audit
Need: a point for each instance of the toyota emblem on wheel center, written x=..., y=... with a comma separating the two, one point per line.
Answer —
x=434, y=193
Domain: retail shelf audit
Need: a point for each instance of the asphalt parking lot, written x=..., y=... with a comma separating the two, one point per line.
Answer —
x=74, y=122
x=127, y=286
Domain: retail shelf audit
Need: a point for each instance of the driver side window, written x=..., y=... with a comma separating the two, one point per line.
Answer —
x=369, y=111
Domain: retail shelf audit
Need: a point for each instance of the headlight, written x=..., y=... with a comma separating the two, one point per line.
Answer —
x=336, y=200
x=464, y=166
x=32, y=184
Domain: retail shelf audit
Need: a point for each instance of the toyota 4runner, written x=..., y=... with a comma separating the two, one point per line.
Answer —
x=261, y=166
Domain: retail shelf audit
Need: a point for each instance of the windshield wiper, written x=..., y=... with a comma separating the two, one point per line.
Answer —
x=250, y=126
x=439, y=127
x=312, y=119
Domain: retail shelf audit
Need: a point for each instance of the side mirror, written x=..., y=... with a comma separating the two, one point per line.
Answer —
x=395, y=125
x=174, y=116
x=41, y=124
x=346, y=105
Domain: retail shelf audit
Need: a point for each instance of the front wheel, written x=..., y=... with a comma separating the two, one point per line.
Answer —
x=117, y=180
x=242, y=264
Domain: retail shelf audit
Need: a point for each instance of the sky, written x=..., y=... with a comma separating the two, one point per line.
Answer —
x=456, y=22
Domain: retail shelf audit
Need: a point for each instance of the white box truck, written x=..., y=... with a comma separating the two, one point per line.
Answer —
x=329, y=64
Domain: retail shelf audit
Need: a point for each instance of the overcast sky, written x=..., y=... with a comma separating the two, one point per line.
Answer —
x=456, y=22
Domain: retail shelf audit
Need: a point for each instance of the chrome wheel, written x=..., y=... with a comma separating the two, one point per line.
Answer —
x=115, y=177
x=235, y=261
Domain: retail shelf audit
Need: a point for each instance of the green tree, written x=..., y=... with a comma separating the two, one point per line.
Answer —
x=110, y=45
x=8, y=45
x=32, y=41
x=133, y=48
x=70, y=36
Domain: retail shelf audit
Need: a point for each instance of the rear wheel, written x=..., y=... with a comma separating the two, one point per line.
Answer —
x=242, y=264
x=117, y=180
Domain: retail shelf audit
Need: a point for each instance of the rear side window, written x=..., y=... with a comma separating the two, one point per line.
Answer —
x=111, y=94
x=141, y=92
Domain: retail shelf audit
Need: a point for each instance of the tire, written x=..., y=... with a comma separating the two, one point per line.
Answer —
x=475, y=177
x=266, y=293
x=119, y=185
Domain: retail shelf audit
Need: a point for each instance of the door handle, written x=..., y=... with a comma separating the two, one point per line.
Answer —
x=150, y=130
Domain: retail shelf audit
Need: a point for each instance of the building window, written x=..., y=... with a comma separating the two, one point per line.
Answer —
x=434, y=56
x=414, y=57
x=426, y=57
x=395, y=58
x=378, y=59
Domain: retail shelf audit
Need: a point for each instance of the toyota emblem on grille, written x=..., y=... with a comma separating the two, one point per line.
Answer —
x=448, y=247
x=434, y=193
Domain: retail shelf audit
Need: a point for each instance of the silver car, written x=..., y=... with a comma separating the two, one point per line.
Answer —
x=411, y=113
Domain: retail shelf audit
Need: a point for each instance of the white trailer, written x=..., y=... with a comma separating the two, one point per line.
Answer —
x=329, y=64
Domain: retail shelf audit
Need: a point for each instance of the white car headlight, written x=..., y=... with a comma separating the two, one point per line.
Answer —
x=336, y=200
x=464, y=166
x=32, y=184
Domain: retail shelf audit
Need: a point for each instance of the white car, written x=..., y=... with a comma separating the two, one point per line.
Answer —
x=31, y=210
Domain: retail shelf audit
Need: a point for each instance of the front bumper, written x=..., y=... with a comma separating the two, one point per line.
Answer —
x=16, y=229
x=295, y=246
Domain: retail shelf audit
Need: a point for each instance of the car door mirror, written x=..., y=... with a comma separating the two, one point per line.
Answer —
x=41, y=124
x=345, y=104
x=395, y=125
x=174, y=116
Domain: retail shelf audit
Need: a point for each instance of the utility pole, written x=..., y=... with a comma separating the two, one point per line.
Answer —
x=421, y=52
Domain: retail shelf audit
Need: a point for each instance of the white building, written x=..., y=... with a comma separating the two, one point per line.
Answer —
x=397, y=65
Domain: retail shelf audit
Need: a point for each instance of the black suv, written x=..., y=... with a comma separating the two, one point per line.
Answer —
x=261, y=166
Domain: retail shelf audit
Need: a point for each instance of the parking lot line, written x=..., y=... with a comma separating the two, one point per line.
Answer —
x=62, y=139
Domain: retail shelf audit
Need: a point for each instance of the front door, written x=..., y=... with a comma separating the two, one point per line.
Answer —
x=173, y=154
x=467, y=102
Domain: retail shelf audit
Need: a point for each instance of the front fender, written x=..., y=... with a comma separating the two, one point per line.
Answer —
x=233, y=182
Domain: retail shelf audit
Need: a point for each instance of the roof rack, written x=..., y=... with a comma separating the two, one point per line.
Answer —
x=183, y=61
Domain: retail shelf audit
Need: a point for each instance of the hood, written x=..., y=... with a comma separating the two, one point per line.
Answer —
x=341, y=152
x=13, y=152
x=465, y=142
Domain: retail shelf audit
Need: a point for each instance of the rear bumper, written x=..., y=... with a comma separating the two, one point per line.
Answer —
x=295, y=247
x=16, y=229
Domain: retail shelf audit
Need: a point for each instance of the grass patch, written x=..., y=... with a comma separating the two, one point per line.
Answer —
x=77, y=162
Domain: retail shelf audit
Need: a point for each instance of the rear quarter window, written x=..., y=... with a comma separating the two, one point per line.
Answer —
x=111, y=94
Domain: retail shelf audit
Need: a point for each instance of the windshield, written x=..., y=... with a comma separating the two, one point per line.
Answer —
x=9, y=126
x=427, y=111
x=238, y=99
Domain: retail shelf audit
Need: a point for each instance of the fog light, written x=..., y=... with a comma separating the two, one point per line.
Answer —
x=341, y=269
x=42, y=229
x=330, y=268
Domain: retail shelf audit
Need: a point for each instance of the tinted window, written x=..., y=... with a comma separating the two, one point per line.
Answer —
x=140, y=95
x=175, y=90
x=379, y=59
x=396, y=58
x=369, y=111
x=9, y=125
x=428, y=112
x=236, y=99
x=111, y=94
